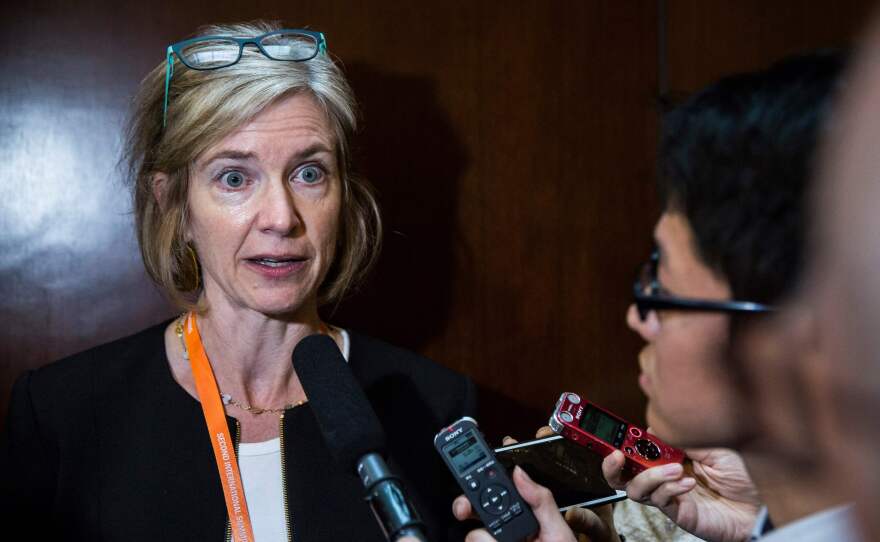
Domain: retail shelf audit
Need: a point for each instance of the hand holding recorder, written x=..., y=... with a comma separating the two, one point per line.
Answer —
x=722, y=506
x=491, y=492
x=711, y=497
x=596, y=523
x=553, y=527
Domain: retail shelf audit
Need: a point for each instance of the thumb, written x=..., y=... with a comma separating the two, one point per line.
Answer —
x=539, y=498
x=612, y=469
x=585, y=521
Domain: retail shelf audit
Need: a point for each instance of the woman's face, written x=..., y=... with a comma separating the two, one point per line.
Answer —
x=264, y=207
x=691, y=397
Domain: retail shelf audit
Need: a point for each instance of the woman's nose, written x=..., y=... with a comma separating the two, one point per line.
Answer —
x=278, y=210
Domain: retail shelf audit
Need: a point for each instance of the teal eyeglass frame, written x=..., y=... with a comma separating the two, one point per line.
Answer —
x=177, y=49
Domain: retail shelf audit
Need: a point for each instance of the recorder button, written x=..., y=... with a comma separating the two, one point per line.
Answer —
x=629, y=450
x=648, y=449
x=494, y=499
x=473, y=484
x=574, y=399
x=516, y=509
x=635, y=431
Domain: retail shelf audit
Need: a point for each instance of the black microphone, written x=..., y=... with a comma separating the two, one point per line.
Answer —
x=353, y=433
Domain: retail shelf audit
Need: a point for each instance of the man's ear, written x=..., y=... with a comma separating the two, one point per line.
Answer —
x=159, y=182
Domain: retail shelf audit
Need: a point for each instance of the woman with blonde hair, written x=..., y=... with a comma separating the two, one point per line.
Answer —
x=249, y=217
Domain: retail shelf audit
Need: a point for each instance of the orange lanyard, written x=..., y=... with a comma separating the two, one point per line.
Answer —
x=224, y=445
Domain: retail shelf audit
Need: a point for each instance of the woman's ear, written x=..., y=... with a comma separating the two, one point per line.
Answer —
x=159, y=182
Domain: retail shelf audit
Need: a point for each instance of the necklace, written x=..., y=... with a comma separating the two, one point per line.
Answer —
x=228, y=400
x=225, y=397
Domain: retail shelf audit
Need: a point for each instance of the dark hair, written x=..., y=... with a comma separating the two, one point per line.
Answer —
x=737, y=160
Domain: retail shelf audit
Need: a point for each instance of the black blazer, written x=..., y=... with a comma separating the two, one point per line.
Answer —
x=105, y=445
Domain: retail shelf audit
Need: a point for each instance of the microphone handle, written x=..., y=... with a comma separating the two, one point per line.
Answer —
x=384, y=491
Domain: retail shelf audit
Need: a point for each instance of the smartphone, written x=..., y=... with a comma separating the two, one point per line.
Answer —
x=571, y=472
x=600, y=431
x=486, y=485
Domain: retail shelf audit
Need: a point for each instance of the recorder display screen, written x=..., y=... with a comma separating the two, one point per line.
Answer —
x=465, y=452
x=600, y=424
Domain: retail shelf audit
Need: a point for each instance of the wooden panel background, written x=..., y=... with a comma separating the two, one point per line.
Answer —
x=706, y=40
x=513, y=147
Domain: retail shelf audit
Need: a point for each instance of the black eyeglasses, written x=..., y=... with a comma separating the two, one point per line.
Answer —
x=649, y=295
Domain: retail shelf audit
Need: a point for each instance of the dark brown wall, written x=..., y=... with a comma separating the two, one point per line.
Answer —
x=706, y=40
x=513, y=149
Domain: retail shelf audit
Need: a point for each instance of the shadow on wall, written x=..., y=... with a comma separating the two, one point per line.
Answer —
x=409, y=149
x=502, y=416
x=410, y=152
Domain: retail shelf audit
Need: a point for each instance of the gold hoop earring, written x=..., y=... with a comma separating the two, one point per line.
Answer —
x=195, y=261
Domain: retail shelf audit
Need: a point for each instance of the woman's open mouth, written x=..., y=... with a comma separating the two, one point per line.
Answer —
x=277, y=267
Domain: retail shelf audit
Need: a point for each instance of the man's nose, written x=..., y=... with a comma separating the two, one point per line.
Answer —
x=647, y=328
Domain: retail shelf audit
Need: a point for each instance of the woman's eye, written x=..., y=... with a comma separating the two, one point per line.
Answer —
x=310, y=174
x=232, y=179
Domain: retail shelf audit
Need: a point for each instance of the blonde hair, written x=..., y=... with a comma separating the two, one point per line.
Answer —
x=204, y=106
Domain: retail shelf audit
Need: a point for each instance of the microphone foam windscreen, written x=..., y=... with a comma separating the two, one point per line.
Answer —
x=344, y=415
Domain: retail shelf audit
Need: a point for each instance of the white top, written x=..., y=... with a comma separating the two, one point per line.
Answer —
x=260, y=466
x=836, y=524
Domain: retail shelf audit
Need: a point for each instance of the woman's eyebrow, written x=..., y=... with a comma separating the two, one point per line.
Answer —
x=311, y=150
x=229, y=154
x=232, y=154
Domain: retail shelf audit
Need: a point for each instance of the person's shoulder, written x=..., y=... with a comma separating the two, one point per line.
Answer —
x=402, y=380
x=52, y=396
x=80, y=370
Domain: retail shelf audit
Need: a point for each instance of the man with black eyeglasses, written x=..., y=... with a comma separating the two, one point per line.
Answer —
x=737, y=159
x=737, y=163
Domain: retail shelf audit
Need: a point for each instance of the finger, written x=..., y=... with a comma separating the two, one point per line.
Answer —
x=585, y=521
x=605, y=513
x=479, y=535
x=461, y=508
x=663, y=495
x=700, y=455
x=544, y=432
x=646, y=482
x=552, y=525
x=612, y=469
x=507, y=441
